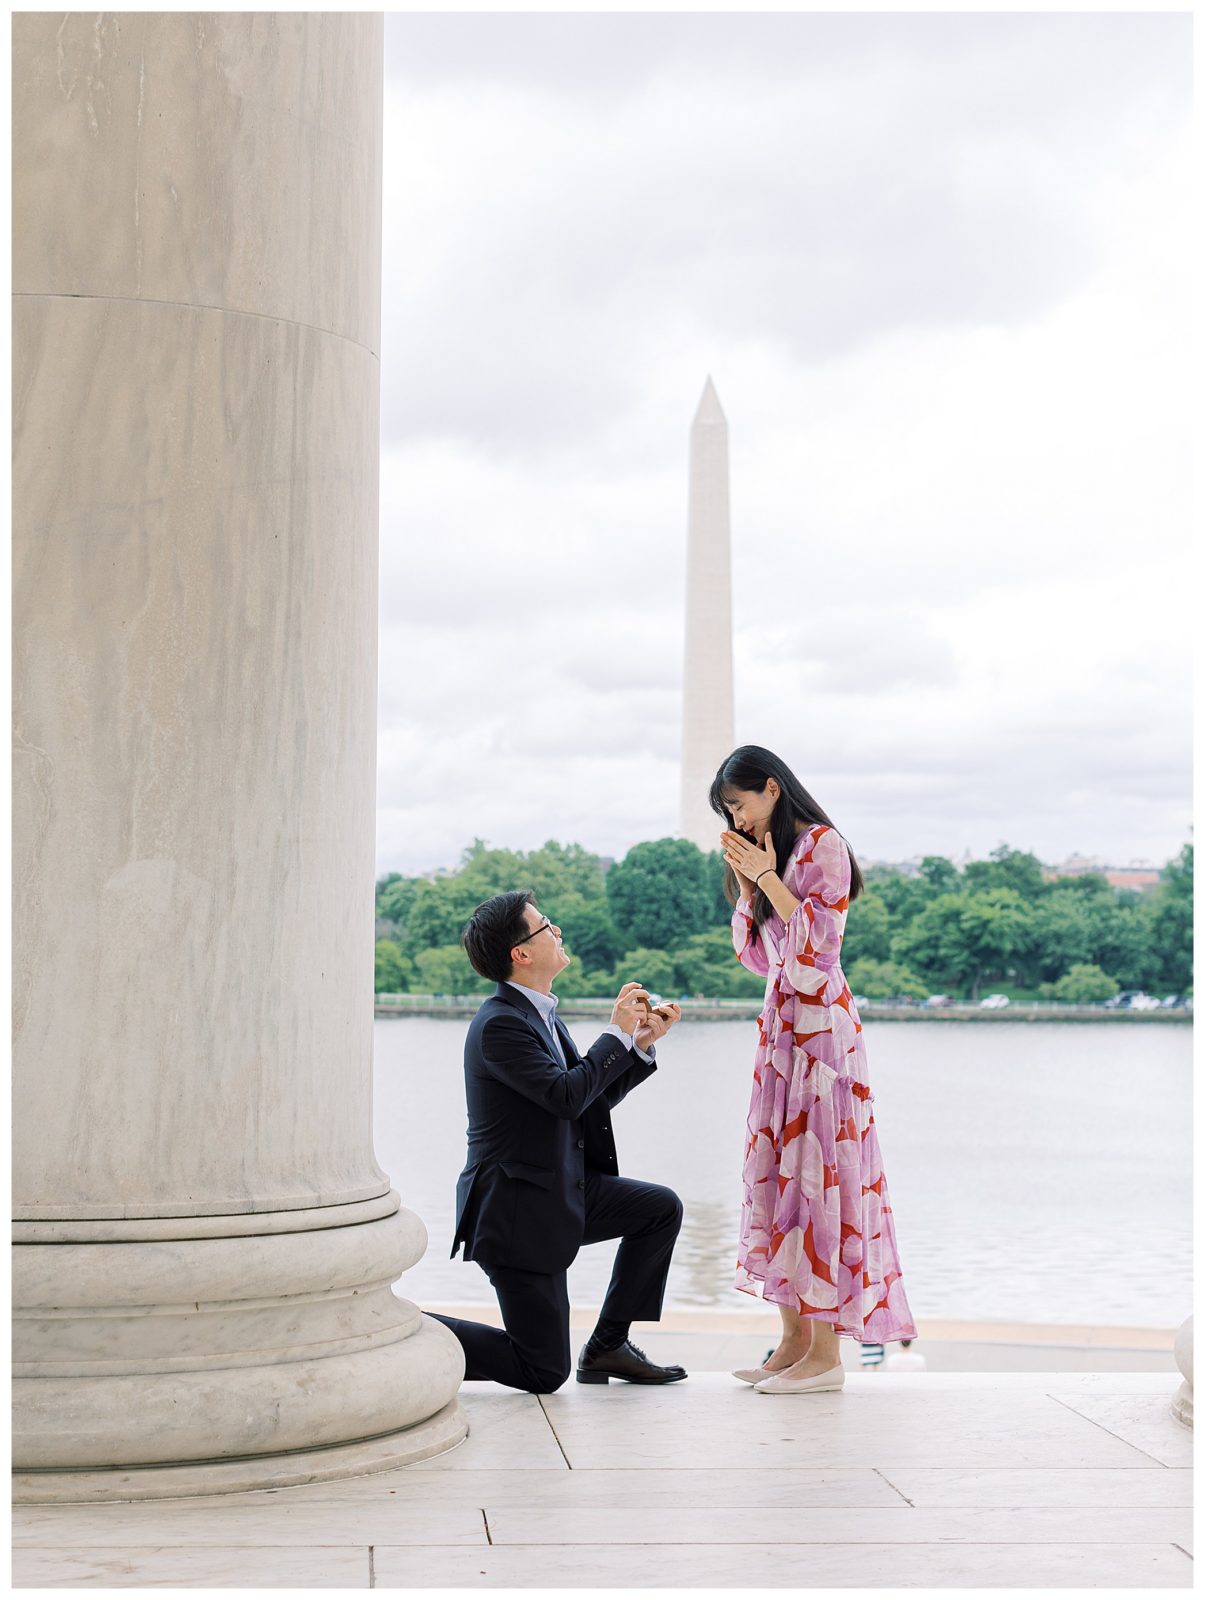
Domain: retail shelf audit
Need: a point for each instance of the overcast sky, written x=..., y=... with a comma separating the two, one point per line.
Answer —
x=937, y=267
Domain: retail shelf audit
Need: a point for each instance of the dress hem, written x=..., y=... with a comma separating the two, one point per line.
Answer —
x=906, y=1331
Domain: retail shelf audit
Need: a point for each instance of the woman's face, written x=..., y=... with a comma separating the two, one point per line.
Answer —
x=751, y=810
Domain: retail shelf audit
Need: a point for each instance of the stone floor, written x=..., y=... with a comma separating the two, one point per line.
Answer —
x=1016, y=1479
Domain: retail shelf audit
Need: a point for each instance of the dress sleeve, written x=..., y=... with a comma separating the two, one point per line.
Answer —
x=746, y=941
x=814, y=933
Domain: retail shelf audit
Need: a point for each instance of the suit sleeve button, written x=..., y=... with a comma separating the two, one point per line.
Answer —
x=581, y=1183
x=581, y=1144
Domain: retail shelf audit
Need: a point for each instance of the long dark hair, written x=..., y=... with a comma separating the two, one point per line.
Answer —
x=750, y=767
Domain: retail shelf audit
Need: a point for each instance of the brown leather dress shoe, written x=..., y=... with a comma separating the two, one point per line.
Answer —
x=628, y=1362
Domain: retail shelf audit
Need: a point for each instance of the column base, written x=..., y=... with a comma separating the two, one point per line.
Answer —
x=1182, y=1400
x=1182, y=1404
x=263, y=1360
x=434, y=1437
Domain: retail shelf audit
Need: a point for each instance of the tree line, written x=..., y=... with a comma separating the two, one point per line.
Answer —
x=660, y=916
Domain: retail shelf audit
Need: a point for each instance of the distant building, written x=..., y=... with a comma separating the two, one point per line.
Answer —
x=1140, y=875
x=911, y=868
x=908, y=869
x=1076, y=866
x=1136, y=877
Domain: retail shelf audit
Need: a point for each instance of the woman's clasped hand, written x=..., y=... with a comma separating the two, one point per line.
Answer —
x=745, y=858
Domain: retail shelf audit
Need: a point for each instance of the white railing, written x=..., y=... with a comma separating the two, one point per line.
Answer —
x=602, y=1004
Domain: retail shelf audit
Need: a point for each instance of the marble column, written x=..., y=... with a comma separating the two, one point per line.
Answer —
x=204, y=1242
x=707, y=716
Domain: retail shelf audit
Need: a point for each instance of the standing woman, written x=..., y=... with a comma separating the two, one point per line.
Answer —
x=816, y=1225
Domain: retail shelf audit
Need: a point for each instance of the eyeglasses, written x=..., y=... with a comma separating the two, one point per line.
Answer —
x=532, y=934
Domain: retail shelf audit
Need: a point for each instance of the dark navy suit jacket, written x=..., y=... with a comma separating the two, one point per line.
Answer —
x=535, y=1129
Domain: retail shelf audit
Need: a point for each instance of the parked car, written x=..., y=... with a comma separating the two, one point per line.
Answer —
x=901, y=1000
x=940, y=1000
x=1121, y=1000
x=1143, y=1002
x=993, y=1002
x=1173, y=1002
x=860, y=1000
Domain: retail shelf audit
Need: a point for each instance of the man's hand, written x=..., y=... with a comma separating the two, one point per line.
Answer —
x=630, y=1010
x=657, y=1024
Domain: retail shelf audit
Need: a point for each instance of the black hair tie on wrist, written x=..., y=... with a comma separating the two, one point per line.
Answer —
x=761, y=875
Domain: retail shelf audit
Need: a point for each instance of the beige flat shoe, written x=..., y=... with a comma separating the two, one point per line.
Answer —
x=818, y=1383
x=750, y=1374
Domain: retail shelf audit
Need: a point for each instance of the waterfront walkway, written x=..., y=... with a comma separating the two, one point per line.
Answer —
x=464, y=1006
x=940, y=1480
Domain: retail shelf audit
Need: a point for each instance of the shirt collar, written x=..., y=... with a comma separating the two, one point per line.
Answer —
x=545, y=1004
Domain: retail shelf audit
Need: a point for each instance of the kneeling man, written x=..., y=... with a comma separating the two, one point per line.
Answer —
x=541, y=1177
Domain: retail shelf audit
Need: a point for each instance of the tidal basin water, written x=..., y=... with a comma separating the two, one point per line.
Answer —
x=1040, y=1172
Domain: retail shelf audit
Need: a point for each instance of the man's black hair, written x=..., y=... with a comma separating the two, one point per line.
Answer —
x=491, y=933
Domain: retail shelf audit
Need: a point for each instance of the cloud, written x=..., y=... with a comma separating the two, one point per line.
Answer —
x=816, y=182
x=937, y=266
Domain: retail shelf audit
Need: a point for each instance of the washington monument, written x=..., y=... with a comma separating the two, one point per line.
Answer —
x=707, y=723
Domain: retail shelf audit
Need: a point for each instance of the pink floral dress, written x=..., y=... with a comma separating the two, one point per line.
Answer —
x=816, y=1225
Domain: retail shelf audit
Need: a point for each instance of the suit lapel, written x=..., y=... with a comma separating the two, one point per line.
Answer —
x=521, y=1003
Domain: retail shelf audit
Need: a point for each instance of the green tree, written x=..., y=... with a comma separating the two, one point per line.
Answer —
x=940, y=875
x=586, y=926
x=652, y=968
x=661, y=893
x=1123, y=939
x=556, y=871
x=445, y=970
x=483, y=872
x=600, y=985
x=904, y=897
x=664, y=902
x=882, y=980
x=1007, y=868
x=932, y=945
x=959, y=940
x=867, y=930
x=1085, y=883
x=706, y=966
x=1081, y=985
x=439, y=912
x=1063, y=935
x=994, y=925
x=1171, y=917
x=576, y=982
x=393, y=970
x=395, y=896
x=717, y=872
